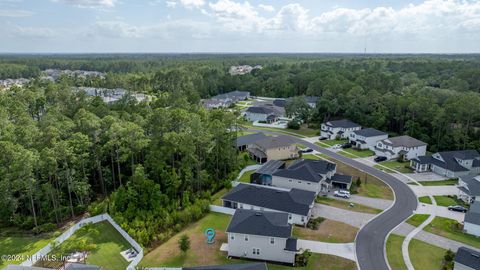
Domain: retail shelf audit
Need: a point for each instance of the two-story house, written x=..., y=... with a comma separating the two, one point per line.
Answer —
x=366, y=138
x=338, y=129
x=243, y=141
x=450, y=163
x=466, y=259
x=311, y=175
x=402, y=147
x=296, y=203
x=261, y=236
x=277, y=148
x=261, y=114
x=471, y=223
x=469, y=188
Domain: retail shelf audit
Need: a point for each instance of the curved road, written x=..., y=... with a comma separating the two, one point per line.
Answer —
x=370, y=241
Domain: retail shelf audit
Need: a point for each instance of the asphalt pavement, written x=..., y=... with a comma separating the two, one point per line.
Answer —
x=370, y=240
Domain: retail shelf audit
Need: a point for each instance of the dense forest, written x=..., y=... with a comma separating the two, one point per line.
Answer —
x=154, y=166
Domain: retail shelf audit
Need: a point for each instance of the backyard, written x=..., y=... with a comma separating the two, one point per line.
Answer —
x=328, y=231
x=245, y=178
x=22, y=246
x=346, y=205
x=394, y=165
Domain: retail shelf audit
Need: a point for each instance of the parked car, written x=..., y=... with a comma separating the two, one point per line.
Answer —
x=380, y=159
x=337, y=146
x=322, y=138
x=347, y=145
x=457, y=208
x=307, y=150
x=342, y=193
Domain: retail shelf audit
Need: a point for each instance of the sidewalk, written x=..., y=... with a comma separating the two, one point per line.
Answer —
x=434, y=190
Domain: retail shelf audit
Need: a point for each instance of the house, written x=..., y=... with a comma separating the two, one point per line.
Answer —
x=450, y=164
x=244, y=141
x=311, y=175
x=366, y=138
x=311, y=101
x=280, y=102
x=261, y=236
x=296, y=203
x=338, y=129
x=242, y=266
x=261, y=114
x=403, y=147
x=233, y=96
x=471, y=223
x=263, y=176
x=215, y=103
x=279, y=148
x=466, y=259
x=469, y=188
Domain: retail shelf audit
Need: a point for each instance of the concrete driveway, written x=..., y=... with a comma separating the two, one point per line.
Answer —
x=352, y=218
x=371, y=202
x=346, y=250
x=440, y=211
x=434, y=190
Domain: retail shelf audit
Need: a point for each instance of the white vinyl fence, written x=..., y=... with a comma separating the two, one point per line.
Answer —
x=222, y=210
x=68, y=233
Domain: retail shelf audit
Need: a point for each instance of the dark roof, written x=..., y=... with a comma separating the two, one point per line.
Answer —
x=344, y=123
x=384, y=150
x=294, y=201
x=270, y=167
x=450, y=164
x=449, y=159
x=274, y=224
x=468, y=257
x=340, y=178
x=473, y=184
x=80, y=266
x=476, y=163
x=423, y=159
x=307, y=170
x=291, y=244
x=243, y=266
x=405, y=141
x=262, y=110
x=369, y=132
x=280, y=102
x=473, y=214
x=273, y=142
x=251, y=138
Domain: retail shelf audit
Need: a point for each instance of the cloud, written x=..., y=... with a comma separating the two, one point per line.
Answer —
x=15, y=13
x=89, y=3
x=171, y=4
x=31, y=32
x=267, y=8
x=189, y=4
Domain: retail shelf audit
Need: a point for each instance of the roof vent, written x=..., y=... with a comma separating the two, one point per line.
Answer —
x=258, y=214
x=475, y=255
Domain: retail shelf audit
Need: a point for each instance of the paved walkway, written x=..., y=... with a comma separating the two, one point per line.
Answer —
x=434, y=190
x=371, y=202
x=346, y=250
x=440, y=211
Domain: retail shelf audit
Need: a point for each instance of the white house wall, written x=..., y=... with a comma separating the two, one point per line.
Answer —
x=471, y=228
x=293, y=183
x=295, y=218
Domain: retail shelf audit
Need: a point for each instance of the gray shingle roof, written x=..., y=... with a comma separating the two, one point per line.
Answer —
x=473, y=214
x=273, y=224
x=473, y=184
x=274, y=142
x=307, y=170
x=405, y=141
x=262, y=110
x=270, y=167
x=280, y=102
x=369, y=132
x=250, y=138
x=294, y=201
x=343, y=123
x=243, y=266
x=468, y=257
x=340, y=178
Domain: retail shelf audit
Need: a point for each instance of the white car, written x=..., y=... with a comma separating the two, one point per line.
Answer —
x=342, y=193
x=337, y=146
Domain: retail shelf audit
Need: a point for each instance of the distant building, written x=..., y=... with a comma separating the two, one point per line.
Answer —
x=111, y=95
x=276, y=148
x=54, y=74
x=296, y=203
x=262, y=114
x=242, y=266
x=215, y=103
x=471, y=223
x=261, y=236
x=450, y=164
x=403, y=147
x=338, y=129
x=466, y=259
x=241, y=70
x=8, y=83
x=366, y=138
x=469, y=188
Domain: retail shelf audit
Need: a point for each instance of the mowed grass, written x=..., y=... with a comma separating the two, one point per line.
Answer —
x=425, y=256
x=245, y=178
x=330, y=143
x=448, y=182
x=217, y=197
x=425, y=199
x=394, y=165
x=355, y=153
x=448, y=200
x=320, y=262
x=22, y=246
x=108, y=241
x=394, y=252
x=346, y=205
x=417, y=219
x=450, y=229
x=314, y=157
x=371, y=186
x=328, y=231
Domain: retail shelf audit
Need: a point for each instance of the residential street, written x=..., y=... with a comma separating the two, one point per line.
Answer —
x=371, y=202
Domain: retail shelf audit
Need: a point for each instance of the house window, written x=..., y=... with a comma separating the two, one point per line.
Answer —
x=251, y=207
x=303, y=218
x=272, y=240
x=289, y=216
x=246, y=238
x=241, y=206
x=290, y=180
x=258, y=251
x=232, y=236
x=308, y=183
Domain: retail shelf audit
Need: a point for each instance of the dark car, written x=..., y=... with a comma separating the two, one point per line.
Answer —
x=306, y=150
x=322, y=138
x=457, y=208
x=346, y=145
x=380, y=159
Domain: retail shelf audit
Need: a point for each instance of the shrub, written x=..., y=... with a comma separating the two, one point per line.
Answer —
x=359, y=182
x=293, y=124
x=301, y=259
x=47, y=227
x=314, y=223
x=448, y=260
x=184, y=243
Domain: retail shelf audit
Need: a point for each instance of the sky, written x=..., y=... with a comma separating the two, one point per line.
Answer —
x=231, y=26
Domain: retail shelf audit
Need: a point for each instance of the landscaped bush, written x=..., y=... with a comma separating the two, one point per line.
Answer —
x=448, y=260
x=314, y=223
x=301, y=259
x=293, y=124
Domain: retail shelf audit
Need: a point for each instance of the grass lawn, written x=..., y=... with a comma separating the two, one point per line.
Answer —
x=329, y=143
x=374, y=187
x=425, y=256
x=108, y=245
x=242, y=158
x=425, y=199
x=417, y=219
x=395, y=165
x=394, y=252
x=357, y=153
x=448, y=182
x=320, y=262
x=328, y=231
x=346, y=205
x=448, y=200
x=315, y=157
x=300, y=146
x=22, y=245
x=448, y=228
x=245, y=178
x=216, y=198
